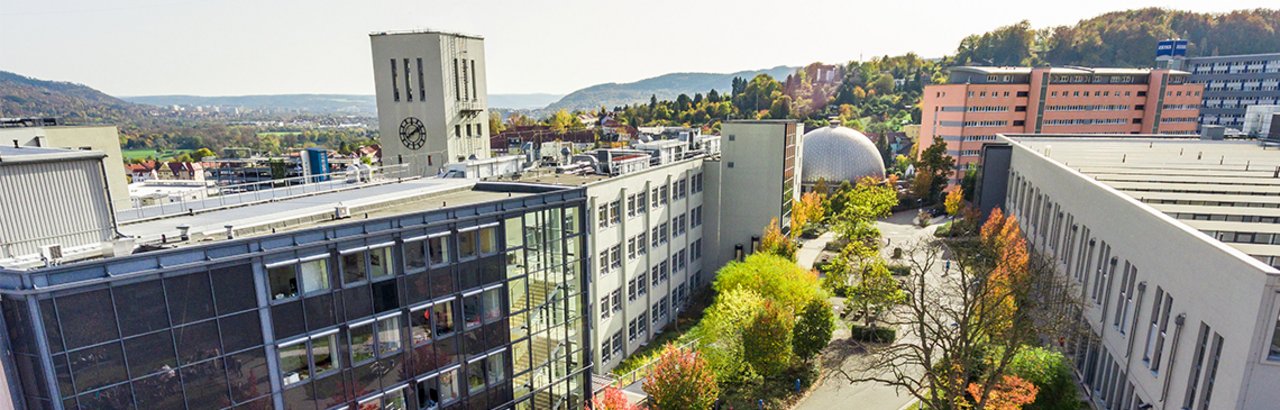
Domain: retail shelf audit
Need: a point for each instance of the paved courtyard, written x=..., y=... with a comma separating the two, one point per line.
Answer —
x=835, y=391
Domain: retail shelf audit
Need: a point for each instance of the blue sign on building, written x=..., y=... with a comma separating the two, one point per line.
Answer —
x=1172, y=48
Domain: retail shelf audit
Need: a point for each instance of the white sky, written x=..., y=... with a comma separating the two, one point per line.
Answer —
x=236, y=47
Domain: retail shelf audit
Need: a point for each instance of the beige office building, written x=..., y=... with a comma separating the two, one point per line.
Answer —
x=431, y=97
x=1172, y=244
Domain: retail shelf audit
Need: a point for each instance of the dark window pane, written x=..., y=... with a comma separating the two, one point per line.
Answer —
x=366, y=378
x=190, y=297
x=473, y=341
x=21, y=329
x=493, y=269
x=320, y=312
x=357, y=301
x=424, y=359
x=282, y=282
x=417, y=288
x=117, y=397
x=393, y=370
x=299, y=398
x=447, y=351
x=469, y=274
x=150, y=354
x=144, y=307
x=287, y=321
x=241, y=331
x=362, y=343
x=89, y=317
x=29, y=374
x=62, y=371
x=263, y=403
x=97, y=366
x=442, y=282
x=248, y=375
x=354, y=268
x=329, y=391
x=385, y=296
x=51, y=330
x=233, y=289
x=162, y=391
x=197, y=342
x=206, y=385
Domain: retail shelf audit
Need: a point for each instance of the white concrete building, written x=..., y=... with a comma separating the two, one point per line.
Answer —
x=431, y=96
x=757, y=178
x=1173, y=243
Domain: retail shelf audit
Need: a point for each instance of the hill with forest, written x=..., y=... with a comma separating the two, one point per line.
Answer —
x=1124, y=38
x=22, y=96
x=665, y=87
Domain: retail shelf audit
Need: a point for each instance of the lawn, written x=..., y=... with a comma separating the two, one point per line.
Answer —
x=131, y=154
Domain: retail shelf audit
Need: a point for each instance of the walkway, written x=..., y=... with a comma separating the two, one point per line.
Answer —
x=836, y=392
x=808, y=253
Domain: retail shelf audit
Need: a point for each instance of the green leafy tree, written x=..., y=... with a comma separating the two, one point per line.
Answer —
x=1051, y=374
x=774, y=242
x=935, y=162
x=719, y=333
x=681, y=379
x=773, y=277
x=876, y=291
x=563, y=121
x=813, y=329
x=766, y=341
x=203, y=153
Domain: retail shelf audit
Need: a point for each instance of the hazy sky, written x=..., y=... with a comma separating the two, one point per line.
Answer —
x=236, y=47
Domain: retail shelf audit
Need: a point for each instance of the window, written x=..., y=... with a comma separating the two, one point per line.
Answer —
x=631, y=206
x=379, y=263
x=495, y=368
x=631, y=248
x=475, y=376
x=449, y=385
x=442, y=315
x=617, y=300
x=1197, y=364
x=420, y=325
x=603, y=215
x=615, y=256
x=615, y=215
x=375, y=338
x=492, y=304
x=354, y=268
x=604, y=308
x=467, y=243
x=489, y=240
x=631, y=290
x=395, y=86
x=641, y=286
x=606, y=353
x=307, y=357
x=1159, y=327
x=283, y=282
x=283, y=279
x=664, y=191
x=642, y=242
x=642, y=202
x=438, y=249
x=654, y=235
x=415, y=255
x=1212, y=374
x=604, y=262
x=361, y=337
x=656, y=277
x=471, y=310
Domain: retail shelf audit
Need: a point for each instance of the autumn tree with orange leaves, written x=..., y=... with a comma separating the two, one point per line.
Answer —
x=681, y=379
x=965, y=324
x=611, y=398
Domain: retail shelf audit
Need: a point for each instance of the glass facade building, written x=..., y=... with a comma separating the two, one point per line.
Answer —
x=476, y=306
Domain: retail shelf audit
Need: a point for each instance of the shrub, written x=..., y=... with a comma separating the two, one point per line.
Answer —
x=873, y=334
x=766, y=342
x=1048, y=370
x=899, y=270
x=773, y=277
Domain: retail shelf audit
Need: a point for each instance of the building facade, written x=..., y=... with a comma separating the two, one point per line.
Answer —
x=977, y=103
x=1171, y=257
x=431, y=97
x=441, y=294
x=1233, y=83
x=756, y=179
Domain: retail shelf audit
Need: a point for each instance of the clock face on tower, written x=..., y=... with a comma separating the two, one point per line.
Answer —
x=412, y=133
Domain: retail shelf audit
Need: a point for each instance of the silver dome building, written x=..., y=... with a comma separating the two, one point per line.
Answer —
x=836, y=154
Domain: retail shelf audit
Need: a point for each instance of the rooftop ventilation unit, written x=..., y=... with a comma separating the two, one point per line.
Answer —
x=51, y=253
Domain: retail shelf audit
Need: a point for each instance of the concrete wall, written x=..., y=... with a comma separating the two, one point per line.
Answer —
x=1063, y=211
x=751, y=185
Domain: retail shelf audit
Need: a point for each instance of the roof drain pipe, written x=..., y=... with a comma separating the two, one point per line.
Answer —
x=1173, y=357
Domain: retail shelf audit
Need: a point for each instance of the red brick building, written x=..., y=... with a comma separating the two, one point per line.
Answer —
x=979, y=102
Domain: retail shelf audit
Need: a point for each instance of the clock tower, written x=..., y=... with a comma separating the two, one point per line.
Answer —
x=431, y=98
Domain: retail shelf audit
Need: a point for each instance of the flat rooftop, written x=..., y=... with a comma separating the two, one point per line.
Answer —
x=1230, y=190
x=398, y=198
x=1059, y=70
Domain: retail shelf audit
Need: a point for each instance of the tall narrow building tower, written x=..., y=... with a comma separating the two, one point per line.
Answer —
x=431, y=93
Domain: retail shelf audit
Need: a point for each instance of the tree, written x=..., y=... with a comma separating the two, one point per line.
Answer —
x=955, y=199
x=766, y=341
x=719, y=333
x=807, y=210
x=876, y=291
x=954, y=322
x=611, y=399
x=813, y=329
x=774, y=242
x=1049, y=372
x=563, y=121
x=681, y=379
x=772, y=277
x=495, y=123
x=935, y=161
x=860, y=206
x=202, y=153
